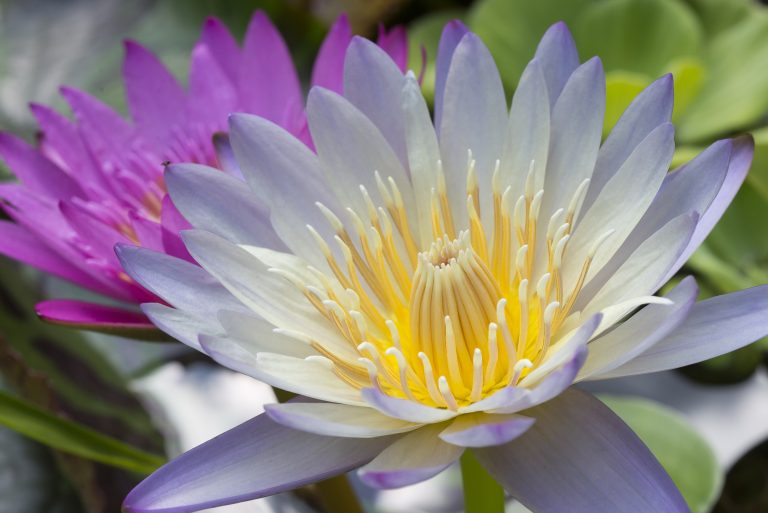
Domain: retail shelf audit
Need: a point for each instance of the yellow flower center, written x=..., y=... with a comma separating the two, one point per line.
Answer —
x=450, y=324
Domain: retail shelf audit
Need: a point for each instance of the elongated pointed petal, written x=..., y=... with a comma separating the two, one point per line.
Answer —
x=715, y=326
x=337, y=419
x=224, y=470
x=483, y=430
x=413, y=458
x=328, y=70
x=559, y=58
x=598, y=463
x=84, y=315
x=452, y=33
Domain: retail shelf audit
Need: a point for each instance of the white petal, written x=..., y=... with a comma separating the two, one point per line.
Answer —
x=413, y=458
x=484, y=430
x=181, y=325
x=337, y=420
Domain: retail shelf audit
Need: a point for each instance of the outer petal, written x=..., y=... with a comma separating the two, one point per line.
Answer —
x=181, y=325
x=373, y=82
x=156, y=100
x=483, y=430
x=474, y=117
x=80, y=314
x=337, y=420
x=332, y=118
x=268, y=84
x=577, y=125
x=415, y=457
x=328, y=70
x=405, y=409
x=221, y=471
x=641, y=331
x=559, y=58
x=287, y=177
x=395, y=43
x=741, y=159
x=222, y=45
x=597, y=462
x=214, y=201
x=35, y=171
x=649, y=109
x=452, y=33
x=715, y=326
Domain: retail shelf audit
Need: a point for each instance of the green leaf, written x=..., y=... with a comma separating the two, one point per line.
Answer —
x=621, y=87
x=512, y=28
x=643, y=36
x=733, y=95
x=758, y=174
x=689, y=73
x=685, y=455
x=718, y=15
x=73, y=438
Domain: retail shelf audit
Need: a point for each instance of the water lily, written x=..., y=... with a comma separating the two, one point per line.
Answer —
x=442, y=283
x=98, y=181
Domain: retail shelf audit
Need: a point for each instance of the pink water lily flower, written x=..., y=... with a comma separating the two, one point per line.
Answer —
x=98, y=180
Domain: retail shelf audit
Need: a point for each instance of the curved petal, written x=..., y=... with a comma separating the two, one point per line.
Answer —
x=84, y=315
x=641, y=331
x=332, y=118
x=155, y=99
x=179, y=324
x=213, y=201
x=559, y=58
x=328, y=70
x=216, y=36
x=598, y=463
x=337, y=419
x=474, y=118
x=452, y=33
x=395, y=42
x=715, y=326
x=372, y=83
x=413, y=458
x=182, y=284
x=651, y=108
x=221, y=471
x=484, y=430
x=268, y=84
x=287, y=177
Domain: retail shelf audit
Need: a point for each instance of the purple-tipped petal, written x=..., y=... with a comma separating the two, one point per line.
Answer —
x=474, y=117
x=715, y=326
x=452, y=33
x=213, y=201
x=222, y=45
x=92, y=316
x=741, y=159
x=255, y=459
x=373, y=83
x=35, y=171
x=268, y=81
x=413, y=458
x=482, y=430
x=155, y=99
x=651, y=108
x=212, y=95
x=580, y=457
x=328, y=70
x=559, y=58
x=395, y=43
x=644, y=329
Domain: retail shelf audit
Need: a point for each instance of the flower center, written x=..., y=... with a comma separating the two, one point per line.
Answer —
x=450, y=324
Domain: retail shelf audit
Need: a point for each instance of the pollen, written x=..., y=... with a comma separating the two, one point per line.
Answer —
x=448, y=324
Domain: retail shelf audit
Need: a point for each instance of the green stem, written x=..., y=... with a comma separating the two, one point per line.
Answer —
x=482, y=494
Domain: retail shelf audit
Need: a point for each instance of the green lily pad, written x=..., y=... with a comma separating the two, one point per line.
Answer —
x=512, y=29
x=719, y=15
x=621, y=87
x=689, y=73
x=734, y=94
x=643, y=36
x=685, y=455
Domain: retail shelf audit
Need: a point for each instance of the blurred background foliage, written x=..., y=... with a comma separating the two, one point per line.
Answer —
x=88, y=439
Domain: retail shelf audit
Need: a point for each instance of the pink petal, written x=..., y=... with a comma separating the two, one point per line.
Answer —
x=328, y=70
x=395, y=43
x=95, y=317
x=219, y=41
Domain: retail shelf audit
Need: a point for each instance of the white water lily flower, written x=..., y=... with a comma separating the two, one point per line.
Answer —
x=444, y=283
